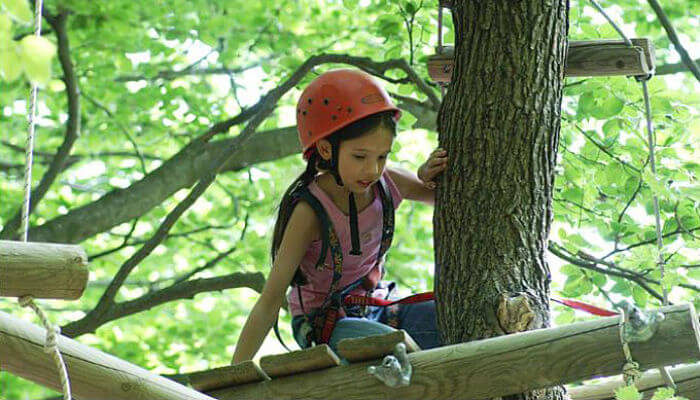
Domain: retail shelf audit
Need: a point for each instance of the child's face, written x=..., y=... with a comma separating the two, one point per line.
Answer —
x=361, y=161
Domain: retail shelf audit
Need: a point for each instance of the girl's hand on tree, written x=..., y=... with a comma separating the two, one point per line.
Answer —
x=433, y=166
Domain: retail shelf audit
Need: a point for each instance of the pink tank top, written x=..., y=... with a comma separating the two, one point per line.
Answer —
x=369, y=223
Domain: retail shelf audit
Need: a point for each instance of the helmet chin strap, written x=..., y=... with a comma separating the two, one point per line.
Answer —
x=354, y=230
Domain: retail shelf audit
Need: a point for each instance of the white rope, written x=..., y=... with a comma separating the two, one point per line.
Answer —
x=51, y=344
x=52, y=331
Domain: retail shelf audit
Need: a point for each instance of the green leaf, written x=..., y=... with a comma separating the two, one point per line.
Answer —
x=608, y=107
x=10, y=64
x=5, y=28
x=36, y=53
x=19, y=10
x=664, y=393
x=627, y=393
x=640, y=296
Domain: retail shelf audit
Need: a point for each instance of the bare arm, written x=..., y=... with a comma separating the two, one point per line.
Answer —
x=410, y=186
x=421, y=187
x=300, y=231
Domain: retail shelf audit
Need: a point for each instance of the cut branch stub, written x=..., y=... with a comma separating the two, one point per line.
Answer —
x=584, y=58
x=42, y=270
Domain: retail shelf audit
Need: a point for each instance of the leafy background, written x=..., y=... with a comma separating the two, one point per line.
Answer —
x=151, y=81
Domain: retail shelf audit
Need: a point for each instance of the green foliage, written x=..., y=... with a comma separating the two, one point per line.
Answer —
x=122, y=52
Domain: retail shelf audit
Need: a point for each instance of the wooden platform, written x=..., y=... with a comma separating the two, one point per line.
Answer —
x=301, y=361
x=584, y=58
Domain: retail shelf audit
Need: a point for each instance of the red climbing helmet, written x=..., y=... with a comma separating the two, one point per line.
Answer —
x=336, y=99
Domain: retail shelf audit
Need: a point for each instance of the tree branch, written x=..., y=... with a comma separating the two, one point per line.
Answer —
x=671, y=32
x=561, y=252
x=674, y=68
x=72, y=125
x=183, y=290
x=170, y=75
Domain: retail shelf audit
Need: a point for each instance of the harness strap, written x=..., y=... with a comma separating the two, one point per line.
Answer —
x=377, y=301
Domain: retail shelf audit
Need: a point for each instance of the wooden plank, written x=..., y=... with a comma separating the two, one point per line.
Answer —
x=295, y=362
x=232, y=375
x=498, y=366
x=42, y=270
x=584, y=58
x=93, y=374
x=374, y=347
x=686, y=378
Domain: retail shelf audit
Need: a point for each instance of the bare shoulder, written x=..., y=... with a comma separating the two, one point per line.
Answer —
x=304, y=222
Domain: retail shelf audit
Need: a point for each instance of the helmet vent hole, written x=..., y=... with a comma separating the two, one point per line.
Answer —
x=349, y=110
x=325, y=101
x=309, y=101
x=334, y=117
x=304, y=112
x=309, y=133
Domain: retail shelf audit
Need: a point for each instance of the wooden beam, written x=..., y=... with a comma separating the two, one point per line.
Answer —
x=296, y=362
x=686, y=378
x=244, y=372
x=93, y=374
x=498, y=366
x=42, y=270
x=374, y=347
x=584, y=58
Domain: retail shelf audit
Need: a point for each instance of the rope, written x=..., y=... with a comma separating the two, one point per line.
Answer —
x=51, y=344
x=52, y=331
x=631, y=369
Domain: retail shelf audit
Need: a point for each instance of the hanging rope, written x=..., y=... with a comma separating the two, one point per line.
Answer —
x=52, y=331
x=631, y=369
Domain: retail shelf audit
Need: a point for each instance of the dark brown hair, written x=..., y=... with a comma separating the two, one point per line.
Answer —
x=355, y=130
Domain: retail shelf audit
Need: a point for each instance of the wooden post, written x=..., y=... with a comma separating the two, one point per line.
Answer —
x=42, y=270
x=687, y=380
x=93, y=374
x=498, y=366
x=584, y=58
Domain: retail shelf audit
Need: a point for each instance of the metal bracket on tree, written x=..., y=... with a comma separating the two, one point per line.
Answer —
x=395, y=371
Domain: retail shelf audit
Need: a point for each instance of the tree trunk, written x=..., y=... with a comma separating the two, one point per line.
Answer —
x=499, y=123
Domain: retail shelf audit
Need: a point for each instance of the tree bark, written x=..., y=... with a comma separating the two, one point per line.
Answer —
x=500, y=125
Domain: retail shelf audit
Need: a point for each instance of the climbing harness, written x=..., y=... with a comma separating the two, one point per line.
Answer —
x=52, y=331
x=322, y=320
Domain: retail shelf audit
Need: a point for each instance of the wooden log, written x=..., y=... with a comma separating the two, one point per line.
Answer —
x=584, y=58
x=93, y=374
x=42, y=270
x=498, y=366
x=686, y=378
x=232, y=375
x=375, y=347
x=296, y=362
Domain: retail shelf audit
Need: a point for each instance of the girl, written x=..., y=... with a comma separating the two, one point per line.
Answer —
x=336, y=221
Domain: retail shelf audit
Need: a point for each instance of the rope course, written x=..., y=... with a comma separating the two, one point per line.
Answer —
x=631, y=370
x=52, y=331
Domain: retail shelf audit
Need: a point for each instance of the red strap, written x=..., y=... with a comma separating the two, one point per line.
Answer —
x=427, y=296
x=328, y=325
x=376, y=301
x=591, y=309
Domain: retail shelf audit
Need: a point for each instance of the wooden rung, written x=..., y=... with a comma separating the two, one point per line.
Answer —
x=311, y=359
x=374, y=347
x=584, y=58
x=232, y=375
x=42, y=270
